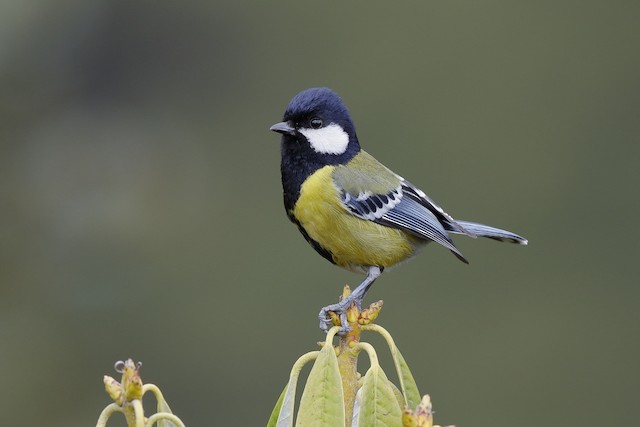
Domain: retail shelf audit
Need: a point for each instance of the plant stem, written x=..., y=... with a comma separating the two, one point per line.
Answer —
x=106, y=414
x=348, y=365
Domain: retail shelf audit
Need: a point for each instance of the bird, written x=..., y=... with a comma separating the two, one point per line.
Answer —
x=354, y=211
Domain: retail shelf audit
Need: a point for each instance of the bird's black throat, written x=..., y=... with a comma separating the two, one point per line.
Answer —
x=299, y=161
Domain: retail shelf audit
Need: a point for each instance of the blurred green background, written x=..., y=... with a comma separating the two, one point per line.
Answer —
x=141, y=211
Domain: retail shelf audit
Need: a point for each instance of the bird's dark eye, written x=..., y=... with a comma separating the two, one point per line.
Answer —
x=315, y=123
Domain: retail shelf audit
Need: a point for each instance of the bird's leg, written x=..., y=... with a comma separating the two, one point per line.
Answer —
x=355, y=297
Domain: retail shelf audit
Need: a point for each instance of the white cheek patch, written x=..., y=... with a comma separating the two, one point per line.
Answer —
x=331, y=139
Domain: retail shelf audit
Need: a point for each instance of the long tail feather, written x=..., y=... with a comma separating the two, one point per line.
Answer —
x=486, y=231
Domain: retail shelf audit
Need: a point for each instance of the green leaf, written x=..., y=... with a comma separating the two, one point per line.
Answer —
x=282, y=414
x=322, y=402
x=287, y=401
x=377, y=405
x=163, y=406
x=398, y=394
x=273, y=419
x=407, y=383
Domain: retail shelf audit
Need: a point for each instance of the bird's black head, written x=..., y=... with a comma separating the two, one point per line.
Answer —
x=317, y=127
x=316, y=131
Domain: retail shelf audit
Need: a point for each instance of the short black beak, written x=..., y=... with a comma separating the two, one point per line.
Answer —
x=283, y=128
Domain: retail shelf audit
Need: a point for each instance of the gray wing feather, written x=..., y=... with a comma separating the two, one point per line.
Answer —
x=371, y=206
x=419, y=196
x=414, y=218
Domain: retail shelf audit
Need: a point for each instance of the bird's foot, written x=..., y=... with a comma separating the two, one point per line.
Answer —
x=335, y=315
x=347, y=313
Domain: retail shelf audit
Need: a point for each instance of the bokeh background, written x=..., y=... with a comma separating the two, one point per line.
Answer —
x=141, y=211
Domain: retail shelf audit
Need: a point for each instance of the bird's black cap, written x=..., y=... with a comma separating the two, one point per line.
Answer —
x=322, y=102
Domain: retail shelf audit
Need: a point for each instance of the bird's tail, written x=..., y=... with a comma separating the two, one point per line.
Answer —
x=485, y=231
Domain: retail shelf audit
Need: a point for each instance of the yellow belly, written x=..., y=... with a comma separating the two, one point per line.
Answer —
x=352, y=241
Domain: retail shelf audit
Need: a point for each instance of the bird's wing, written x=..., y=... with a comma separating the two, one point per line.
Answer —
x=372, y=192
x=419, y=196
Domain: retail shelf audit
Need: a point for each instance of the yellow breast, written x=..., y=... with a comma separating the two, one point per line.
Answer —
x=352, y=241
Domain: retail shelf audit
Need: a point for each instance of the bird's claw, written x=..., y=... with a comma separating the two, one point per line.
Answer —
x=326, y=319
x=325, y=323
x=330, y=314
